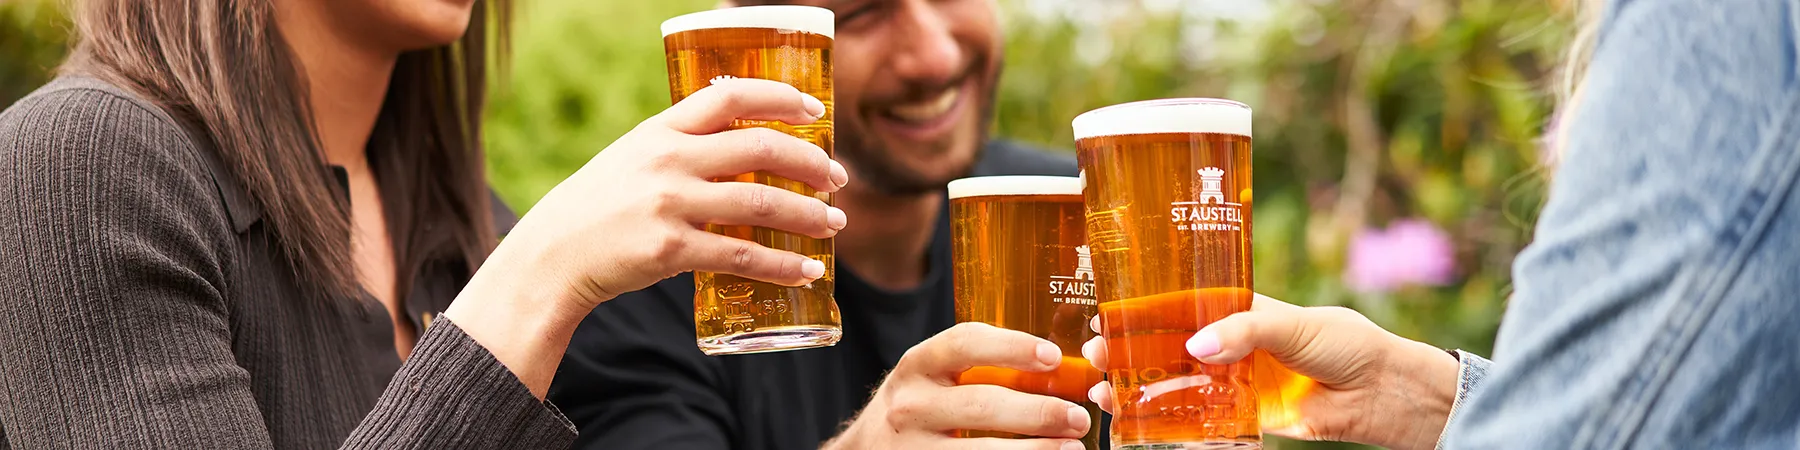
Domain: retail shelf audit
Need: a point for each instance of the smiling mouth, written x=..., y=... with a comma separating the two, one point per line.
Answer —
x=925, y=110
x=925, y=118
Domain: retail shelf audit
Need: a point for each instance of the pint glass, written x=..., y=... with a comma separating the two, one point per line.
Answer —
x=1168, y=218
x=1021, y=264
x=790, y=44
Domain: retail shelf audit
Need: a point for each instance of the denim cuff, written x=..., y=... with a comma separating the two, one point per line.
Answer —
x=1468, y=379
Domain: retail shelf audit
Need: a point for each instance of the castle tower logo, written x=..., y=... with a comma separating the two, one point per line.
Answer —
x=1084, y=264
x=1211, y=190
x=717, y=79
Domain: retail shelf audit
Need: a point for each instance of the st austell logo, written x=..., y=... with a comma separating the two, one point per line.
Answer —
x=1078, y=288
x=1210, y=212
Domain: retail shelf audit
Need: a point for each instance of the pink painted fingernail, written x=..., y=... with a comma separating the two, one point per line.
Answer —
x=839, y=176
x=835, y=218
x=814, y=107
x=1203, y=344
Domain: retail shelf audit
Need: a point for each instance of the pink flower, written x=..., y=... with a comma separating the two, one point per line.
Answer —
x=1408, y=252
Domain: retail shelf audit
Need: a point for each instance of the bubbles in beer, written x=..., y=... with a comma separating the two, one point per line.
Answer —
x=792, y=45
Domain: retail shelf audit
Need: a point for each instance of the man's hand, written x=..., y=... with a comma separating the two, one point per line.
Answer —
x=920, y=406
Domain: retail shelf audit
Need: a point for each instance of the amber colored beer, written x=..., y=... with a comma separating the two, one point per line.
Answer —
x=1021, y=263
x=1168, y=217
x=790, y=44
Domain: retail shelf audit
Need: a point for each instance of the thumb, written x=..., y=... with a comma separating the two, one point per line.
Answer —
x=1232, y=338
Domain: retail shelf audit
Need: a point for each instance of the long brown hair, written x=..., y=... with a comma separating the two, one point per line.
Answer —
x=223, y=66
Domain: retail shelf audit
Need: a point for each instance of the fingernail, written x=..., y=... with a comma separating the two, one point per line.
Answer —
x=1049, y=354
x=1078, y=418
x=812, y=269
x=1094, y=324
x=1095, y=391
x=1072, y=445
x=835, y=219
x=813, y=106
x=1203, y=344
x=839, y=175
x=1090, y=348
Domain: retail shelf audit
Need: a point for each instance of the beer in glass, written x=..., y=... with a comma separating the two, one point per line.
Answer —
x=1168, y=218
x=790, y=44
x=1021, y=263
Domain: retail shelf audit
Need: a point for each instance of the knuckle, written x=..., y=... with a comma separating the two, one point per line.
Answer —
x=759, y=143
x=662, y=246
x=978, y=401
x=730, y=96
x=760, y=201
x=917, y=355
x=907, y=407
x=671, y=244
x=1052, y=415
x=664, y=159
x=663, y=201
x=742, y=256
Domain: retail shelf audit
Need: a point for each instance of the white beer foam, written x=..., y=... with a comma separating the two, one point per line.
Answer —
x=782, y=17
x=1175, y=115
x=1014, y=185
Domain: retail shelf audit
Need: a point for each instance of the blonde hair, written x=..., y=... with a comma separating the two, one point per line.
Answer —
x=1587, y=24
x=1575, y=60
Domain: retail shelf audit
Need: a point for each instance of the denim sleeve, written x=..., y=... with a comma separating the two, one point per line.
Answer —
x=1468, y=380
x=1656, y=306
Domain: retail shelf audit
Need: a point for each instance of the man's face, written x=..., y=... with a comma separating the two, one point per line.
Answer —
x=914, y=86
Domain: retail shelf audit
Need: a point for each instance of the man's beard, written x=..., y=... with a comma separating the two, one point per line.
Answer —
x=879, y=170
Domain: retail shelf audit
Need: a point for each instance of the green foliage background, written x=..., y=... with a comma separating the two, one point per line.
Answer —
x=1366, y=111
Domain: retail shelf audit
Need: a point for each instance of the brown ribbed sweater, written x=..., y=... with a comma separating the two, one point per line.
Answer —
x=143, y=305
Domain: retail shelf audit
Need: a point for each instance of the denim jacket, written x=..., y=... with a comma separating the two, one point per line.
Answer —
x=1659, y=304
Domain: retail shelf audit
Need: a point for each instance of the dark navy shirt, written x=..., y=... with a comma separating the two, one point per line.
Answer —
x=633, y=378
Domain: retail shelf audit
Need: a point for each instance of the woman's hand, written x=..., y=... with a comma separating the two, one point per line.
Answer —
x=1371, y=386
x=636, y=214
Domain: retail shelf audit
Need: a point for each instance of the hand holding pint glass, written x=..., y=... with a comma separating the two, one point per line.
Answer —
x=789, y=44
x=1021, y=263
x=1168, y=220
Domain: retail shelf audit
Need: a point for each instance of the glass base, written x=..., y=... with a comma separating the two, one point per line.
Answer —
x=1193, y=446
x=772, y=340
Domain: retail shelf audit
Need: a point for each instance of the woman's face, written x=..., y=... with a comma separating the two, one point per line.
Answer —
x=389, y=25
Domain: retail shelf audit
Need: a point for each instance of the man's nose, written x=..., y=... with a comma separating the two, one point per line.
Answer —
x=925, y=48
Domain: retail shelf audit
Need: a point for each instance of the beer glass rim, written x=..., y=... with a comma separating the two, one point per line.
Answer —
x=810, y=19
x=1013, y=185
x=1169, y=115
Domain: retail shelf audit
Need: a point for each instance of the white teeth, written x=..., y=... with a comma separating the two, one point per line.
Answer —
x=927, y=109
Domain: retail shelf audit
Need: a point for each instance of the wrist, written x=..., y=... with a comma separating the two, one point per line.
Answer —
x=852, y=436
x=523, y=320
x=1419, y=392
